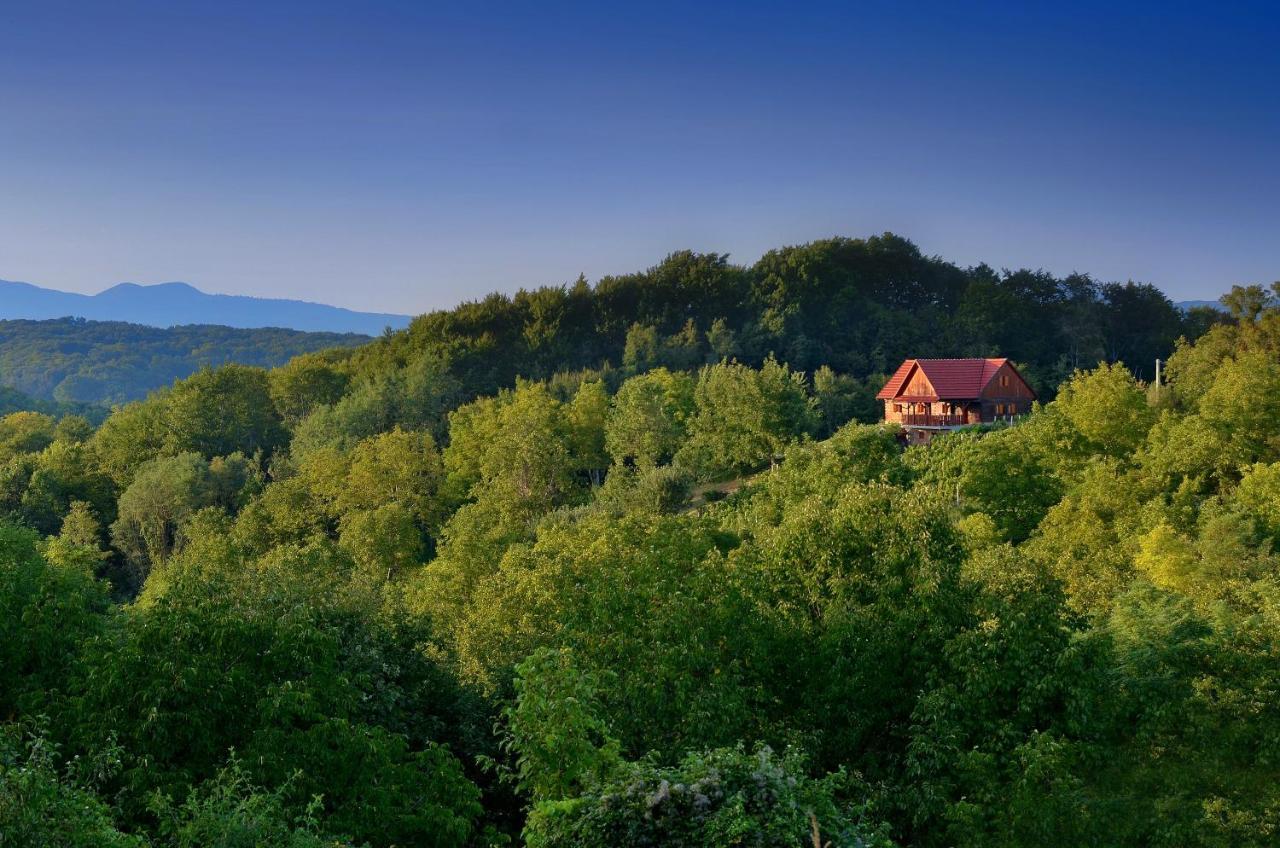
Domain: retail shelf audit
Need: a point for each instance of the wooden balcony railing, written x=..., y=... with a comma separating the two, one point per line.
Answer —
x=919, y=420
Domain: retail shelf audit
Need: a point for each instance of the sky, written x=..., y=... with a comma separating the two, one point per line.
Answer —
x=402, y=157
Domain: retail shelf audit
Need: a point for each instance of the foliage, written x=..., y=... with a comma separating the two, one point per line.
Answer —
x=721, y=798
x=41, y=807
x=228, y=811
x=1108, y=408
x=648, y=420
x=584, y=793
x=560, y=743
x=223, y=411
x=47, y=611
x=74, y=361
x=166, y=492
x=859, y=306
x=299, y=676
x=744, y=418
x=623, y=543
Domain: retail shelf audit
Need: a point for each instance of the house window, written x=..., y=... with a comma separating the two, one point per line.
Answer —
x=1004, y=381
x=999, y=409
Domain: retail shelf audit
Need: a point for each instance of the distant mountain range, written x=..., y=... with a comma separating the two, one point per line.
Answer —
x=173, y=304
x=1186, y=305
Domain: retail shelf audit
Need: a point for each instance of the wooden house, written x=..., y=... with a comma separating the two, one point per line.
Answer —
x=927, y=396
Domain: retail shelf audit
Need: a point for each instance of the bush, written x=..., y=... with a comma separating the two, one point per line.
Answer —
x=725, y=797
x=651, y=490
x=229, y=811
x=40, y=807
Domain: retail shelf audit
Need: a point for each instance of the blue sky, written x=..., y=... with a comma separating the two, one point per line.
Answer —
x=406, y=156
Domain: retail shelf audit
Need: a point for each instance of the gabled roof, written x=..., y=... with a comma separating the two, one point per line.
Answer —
x=898, y=380
x=952, y=379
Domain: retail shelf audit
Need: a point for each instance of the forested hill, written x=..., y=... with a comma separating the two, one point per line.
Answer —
x=12, y=400
x=358, y=614
x=859, y=306
x=93, y=362
x=360, y=600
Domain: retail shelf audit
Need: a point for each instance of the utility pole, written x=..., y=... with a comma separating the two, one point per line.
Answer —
x=1157, y=376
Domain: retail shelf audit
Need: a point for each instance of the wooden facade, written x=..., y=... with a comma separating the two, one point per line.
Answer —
x=930, y=395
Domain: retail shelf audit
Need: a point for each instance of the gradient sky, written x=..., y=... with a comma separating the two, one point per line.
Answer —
x=406, y=156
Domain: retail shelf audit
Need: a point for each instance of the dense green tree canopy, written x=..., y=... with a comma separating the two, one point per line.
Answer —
x=627, y=564
x=73, y=361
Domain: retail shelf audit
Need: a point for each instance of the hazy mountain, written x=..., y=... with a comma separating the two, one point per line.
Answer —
x=171, y=304
x=1185, y=305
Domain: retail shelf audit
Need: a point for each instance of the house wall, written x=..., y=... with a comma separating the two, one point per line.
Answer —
x=918, y=385
x=1007, y=394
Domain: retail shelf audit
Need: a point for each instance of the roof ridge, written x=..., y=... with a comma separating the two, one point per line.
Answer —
x=956, y=377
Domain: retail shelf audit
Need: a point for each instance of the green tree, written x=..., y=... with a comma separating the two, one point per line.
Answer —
x=720, y=798
x=584, y=793
x=587, y=413
x=60, y=474
x=81, y=527
x=1247, y=303
x=682, y=350
x=25, y=432
x=641, y=597
x=722, y=342
x=305, y=383
x=132, y=435
x=647, y=423
x=1108, y=408
x=48, y=611
x=515, y=453
x=744, y=418
x=841, y=399
x=165, y=492
x=1087, y=539
x=220, y=411
x=286, y=661
x=642, y=350
x=395, y=467
x=386, y=539
x=554, y=729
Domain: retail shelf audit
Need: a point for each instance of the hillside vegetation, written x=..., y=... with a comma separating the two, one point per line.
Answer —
x=73, y=361
x=857, y=306
x=439, y=592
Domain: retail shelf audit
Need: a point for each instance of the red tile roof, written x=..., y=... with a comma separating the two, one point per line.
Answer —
x=898, y=379
x=952, y=379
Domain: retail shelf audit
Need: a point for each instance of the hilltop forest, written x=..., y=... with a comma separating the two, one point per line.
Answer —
x=631, y=564
x=857, y=306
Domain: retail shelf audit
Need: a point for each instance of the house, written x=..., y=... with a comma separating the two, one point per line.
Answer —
x=928, y=396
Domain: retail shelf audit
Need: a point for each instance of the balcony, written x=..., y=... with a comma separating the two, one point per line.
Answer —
x=926, y=420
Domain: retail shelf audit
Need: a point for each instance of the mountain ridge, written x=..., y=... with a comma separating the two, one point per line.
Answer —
x=176, y=303
x=1186, y=305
